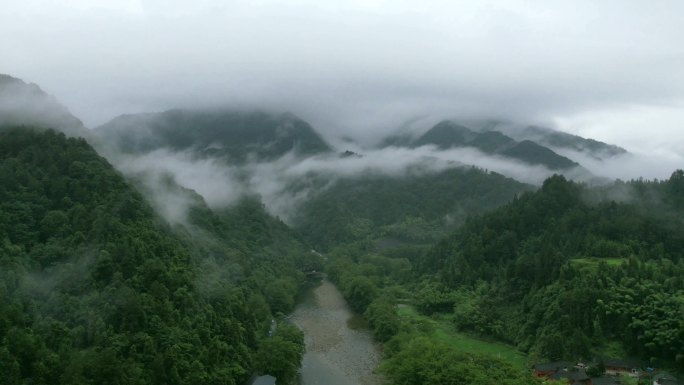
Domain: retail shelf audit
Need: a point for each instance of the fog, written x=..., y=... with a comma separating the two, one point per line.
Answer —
x=282, y=183
x=27, y=104
x=612, y=70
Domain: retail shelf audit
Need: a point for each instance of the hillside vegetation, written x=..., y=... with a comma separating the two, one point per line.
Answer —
x=564, y=270
x=415, y=208
x=233, y=136
x=96, y=289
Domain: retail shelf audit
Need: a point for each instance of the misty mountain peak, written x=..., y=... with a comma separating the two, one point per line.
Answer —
x=228, y=134
x=27, y=104
x=448, y=134
x=557, y=139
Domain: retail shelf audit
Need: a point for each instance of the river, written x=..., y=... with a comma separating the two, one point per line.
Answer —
x=339, y=350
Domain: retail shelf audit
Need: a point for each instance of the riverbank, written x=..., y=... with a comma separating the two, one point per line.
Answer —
x=337, y=353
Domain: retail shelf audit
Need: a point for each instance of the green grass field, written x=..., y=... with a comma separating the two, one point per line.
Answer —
x=444, y=330
x=592, y=263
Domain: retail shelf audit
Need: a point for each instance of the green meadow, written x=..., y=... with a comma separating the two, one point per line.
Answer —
x=442, y=328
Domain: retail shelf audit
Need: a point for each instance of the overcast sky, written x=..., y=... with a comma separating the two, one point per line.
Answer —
x=611, y=70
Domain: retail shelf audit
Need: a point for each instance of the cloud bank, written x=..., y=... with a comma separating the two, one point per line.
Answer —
x=361, y=68
x=286, y=183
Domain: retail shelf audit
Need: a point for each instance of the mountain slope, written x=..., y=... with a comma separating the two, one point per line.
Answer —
x=445, y=135
x=27, y=104
x=562, y=140
x=569, y=270
x=414, y=208
x=96, y=289
x=448, y=134
x=532, y=153
x=233, y=135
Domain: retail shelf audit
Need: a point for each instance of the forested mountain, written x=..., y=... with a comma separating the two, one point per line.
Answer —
x=96, y=289
x=531, y=144
x=217, y=133
x=415, y=208
x=27, y=104
x=448, y=134
x=98, y=286
x=562, y=140
x=418, y=206
x=566, y=271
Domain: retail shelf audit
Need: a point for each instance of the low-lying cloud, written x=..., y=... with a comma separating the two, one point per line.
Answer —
x=222, y=184
x=285, y=183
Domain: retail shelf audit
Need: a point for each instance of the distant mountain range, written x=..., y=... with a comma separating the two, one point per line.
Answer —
x=238, y=136
x=530, y=144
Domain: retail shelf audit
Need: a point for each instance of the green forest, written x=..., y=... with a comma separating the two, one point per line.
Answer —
x=96, y=289
x=565, y=270
x=417, y=208
x=568, y=272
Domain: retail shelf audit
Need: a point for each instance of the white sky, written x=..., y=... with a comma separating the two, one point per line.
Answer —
x=611, y=70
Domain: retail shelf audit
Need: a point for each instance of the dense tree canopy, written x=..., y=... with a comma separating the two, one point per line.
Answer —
x=418, y=208
x=96, y=289
x=429, y=361
x=562, y=271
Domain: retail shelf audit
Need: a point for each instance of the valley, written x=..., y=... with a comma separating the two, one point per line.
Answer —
x=174, y=247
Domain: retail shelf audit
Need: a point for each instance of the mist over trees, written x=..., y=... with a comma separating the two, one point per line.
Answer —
x=171, y=260
x=95, y=288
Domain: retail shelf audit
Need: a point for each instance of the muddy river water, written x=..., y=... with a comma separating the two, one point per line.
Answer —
x=339, y=349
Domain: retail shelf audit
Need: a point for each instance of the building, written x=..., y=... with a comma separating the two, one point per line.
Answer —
x=547, y=370
x=616, y=367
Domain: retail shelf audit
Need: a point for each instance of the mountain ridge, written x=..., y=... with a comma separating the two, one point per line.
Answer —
x=449, y=134
x=23, y=103
x=231, y=134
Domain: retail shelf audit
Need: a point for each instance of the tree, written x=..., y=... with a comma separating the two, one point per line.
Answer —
x=281, y=354
x=360, y=292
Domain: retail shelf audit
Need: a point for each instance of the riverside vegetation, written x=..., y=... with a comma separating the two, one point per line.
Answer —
x=566, y=272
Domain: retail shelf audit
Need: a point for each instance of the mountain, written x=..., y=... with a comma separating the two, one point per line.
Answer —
x=492, y=142
x=448, y=134
x=445, y=135
x=215, y=133
x=95, y=288
x=416, y=208
x=562, y=140
x=27, y=104
x=533, y=153
x=558, y=141
x=571, y=270
x=567, y=272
